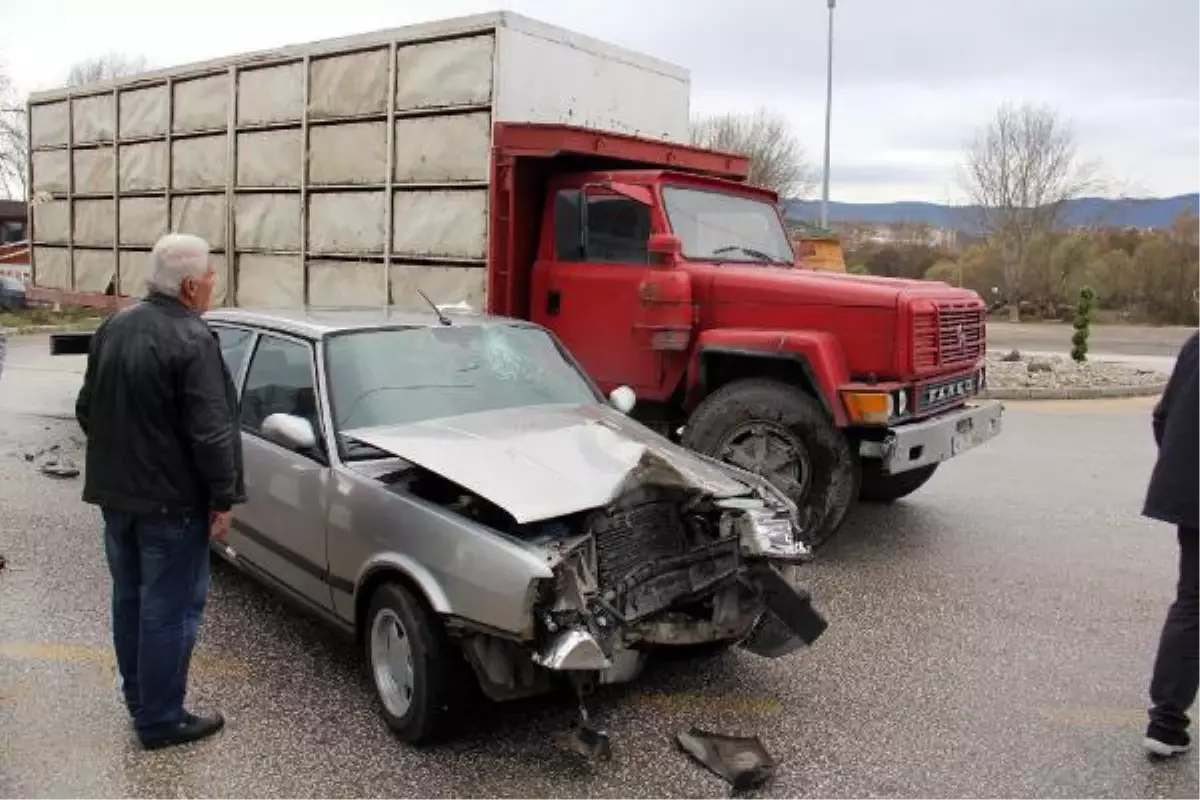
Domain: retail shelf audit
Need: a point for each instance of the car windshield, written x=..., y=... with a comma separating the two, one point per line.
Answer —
x=407, y=375
x=714, y=226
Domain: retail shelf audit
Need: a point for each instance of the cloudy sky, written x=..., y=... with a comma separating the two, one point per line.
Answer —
x=912, y=78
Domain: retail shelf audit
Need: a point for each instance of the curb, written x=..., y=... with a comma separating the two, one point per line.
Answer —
x=1074, y=393
x=29, y=330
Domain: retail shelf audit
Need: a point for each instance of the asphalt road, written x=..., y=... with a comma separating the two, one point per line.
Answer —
x=1114, y=340
x=992, y=636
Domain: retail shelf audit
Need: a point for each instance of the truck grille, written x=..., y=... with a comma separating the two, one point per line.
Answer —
x=635, y=536
x=951, y=335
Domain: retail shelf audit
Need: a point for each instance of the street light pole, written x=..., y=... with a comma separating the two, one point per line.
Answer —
x=828, y=112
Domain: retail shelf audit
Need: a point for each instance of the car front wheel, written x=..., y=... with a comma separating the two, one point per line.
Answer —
x=414, y=665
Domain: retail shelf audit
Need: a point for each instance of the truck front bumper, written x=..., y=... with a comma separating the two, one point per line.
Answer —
x=933, y=440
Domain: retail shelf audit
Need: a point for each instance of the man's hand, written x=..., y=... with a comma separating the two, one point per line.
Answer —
x=219, y=525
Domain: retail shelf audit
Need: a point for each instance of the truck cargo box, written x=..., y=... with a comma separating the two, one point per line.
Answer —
x=342, y=172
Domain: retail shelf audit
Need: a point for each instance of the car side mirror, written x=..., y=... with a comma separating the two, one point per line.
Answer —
x=292, y=432
x=622, y=399
x=665, y=248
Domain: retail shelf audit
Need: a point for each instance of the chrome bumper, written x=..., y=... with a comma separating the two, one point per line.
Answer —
x=933, y=440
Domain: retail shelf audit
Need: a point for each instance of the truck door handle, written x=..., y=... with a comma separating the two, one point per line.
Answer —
x=553, y=303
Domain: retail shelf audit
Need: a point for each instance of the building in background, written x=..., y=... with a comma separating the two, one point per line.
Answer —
x=14, y=247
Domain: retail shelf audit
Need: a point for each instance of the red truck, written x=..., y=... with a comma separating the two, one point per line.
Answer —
x=654, y=262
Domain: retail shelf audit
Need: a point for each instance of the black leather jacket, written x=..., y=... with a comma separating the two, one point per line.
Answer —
x=1174, y=492
x=159, y=409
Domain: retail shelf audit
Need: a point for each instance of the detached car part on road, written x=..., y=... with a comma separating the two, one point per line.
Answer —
x=458, y=495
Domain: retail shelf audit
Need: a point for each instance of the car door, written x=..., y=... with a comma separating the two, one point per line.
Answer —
x=590, y=294
x=280, y=529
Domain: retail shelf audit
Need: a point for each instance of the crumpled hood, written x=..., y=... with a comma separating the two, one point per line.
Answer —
x=541, y=462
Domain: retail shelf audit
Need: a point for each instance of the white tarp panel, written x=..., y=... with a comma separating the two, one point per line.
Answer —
x=202, y=215
x=95, y=222
x=143, y=166
x=51, y=223
x=53, y=267
x=142, y=219
x=541, y=79
x=447, y=73
x=94, y=118
x=275, y=281
x=450, y=224
x=49, y=123
x=439, y=149
x=343, y=86
x=268, y=221
x=440, y=284
x=202, y=104
x=346, y=283
x=269, y=158
x=51, y=171
x=272, y=94
x=346, y=222
x=199, y=163
x=94, y=170
x=94, y=270
x=347, y=154
x=144, y=112
x=135, y=270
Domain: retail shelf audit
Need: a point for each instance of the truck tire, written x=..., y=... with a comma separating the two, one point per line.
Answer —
x=782, y=433
x=880, y=488
x=415, y=668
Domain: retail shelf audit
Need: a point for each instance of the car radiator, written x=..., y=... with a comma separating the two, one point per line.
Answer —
x=641, y=531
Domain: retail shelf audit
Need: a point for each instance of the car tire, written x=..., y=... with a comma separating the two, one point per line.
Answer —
x=880, y=488
x=418, y=706
x=797, y=420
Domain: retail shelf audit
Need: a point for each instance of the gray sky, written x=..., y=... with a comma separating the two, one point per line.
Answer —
x=912, y=78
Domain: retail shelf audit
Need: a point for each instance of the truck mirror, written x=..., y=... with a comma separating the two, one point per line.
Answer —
x=666, y=247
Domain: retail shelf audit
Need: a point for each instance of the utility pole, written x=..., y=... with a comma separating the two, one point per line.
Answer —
x=828, y=112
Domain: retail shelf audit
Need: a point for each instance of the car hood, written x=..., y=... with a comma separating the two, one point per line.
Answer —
x=541, y=462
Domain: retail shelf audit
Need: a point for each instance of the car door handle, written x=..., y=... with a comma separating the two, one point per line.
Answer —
x=553, y=303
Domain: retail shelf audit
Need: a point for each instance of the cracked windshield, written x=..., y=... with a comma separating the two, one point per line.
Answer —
x=723, y=227
x=396, y=377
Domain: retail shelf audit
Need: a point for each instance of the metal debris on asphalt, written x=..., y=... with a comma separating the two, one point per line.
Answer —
x=741, y=760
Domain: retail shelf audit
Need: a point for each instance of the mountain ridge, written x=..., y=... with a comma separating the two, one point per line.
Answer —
x=1141, y=212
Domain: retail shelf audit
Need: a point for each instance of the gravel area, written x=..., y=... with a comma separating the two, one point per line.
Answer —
x=1018, y=371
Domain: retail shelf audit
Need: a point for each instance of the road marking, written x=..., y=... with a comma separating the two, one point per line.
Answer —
x=202, y=666
x=1093, y=717
x=696, y=701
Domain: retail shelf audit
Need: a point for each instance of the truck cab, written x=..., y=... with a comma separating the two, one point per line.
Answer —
x=685, y=287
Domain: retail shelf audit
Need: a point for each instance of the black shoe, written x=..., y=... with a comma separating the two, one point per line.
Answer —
x=1165, y=743
x=191, y=728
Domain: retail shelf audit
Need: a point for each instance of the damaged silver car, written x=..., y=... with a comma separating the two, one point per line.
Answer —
x=455, y=493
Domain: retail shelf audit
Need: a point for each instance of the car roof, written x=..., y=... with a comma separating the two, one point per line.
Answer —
x=317, y=323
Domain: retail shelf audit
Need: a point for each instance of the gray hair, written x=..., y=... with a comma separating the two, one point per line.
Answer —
x=176, y=257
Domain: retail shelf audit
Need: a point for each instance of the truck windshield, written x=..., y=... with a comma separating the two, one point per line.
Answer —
x=406, y=375
x=725, y=227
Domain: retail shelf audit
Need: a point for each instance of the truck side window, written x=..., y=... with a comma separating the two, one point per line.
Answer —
x=618, y=229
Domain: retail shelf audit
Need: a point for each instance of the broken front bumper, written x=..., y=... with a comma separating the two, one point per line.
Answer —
x=933, y=440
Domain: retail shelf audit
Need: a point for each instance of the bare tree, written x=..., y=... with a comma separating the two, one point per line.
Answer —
x=105, y=68
x=777, y=159
x=14, y=142
x=1022, y=168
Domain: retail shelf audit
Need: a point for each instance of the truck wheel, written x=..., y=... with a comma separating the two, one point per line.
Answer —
x=414, y=666
x=780, y=432
x=880, y=488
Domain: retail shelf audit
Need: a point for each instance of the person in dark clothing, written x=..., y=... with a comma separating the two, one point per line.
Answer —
x=164, y=464
x=1174, y=497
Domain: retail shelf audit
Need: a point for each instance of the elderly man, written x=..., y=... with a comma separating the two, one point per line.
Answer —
x=1174, y=497
x=164, y=464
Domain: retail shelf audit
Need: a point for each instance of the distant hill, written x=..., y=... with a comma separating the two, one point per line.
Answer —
x=1152, y=212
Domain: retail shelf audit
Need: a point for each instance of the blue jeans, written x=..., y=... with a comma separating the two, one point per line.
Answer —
x=160, y=567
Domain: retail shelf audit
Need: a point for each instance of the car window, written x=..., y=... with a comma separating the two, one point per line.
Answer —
x=280, y=381
x=235, y=345
x=408, y=375
x=618, y=229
